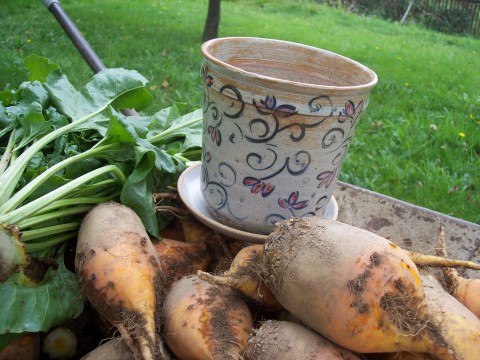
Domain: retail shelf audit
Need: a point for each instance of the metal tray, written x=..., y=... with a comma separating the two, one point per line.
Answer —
x=412, y=227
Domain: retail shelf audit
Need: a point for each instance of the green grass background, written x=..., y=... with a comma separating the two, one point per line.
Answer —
x=419, y=140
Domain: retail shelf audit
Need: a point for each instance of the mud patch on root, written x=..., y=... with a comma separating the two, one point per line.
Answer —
x=253, y=270
x=404, y=312
x=250, y=270
x=286, y=242
x=113, y=313
x=357, y=286
x=220, y=323
x=269, y=339
x=375, y=259
x=361, y=307
x=160, y=294
x=190, y=263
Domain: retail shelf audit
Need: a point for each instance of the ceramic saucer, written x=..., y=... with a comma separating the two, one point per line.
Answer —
x=189, y=190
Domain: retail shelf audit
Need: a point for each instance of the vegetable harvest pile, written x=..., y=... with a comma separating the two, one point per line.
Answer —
x=80, y=191
x=62, y=152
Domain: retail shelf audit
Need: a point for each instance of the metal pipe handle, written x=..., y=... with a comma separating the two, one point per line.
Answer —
x=79, y=41
x=77, y=38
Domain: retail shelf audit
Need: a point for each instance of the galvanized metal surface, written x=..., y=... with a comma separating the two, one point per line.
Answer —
x=410, y=226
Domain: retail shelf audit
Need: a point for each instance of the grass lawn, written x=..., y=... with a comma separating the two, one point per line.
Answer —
x=418, y=141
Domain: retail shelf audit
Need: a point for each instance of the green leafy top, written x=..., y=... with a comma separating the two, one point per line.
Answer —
x=62, y=151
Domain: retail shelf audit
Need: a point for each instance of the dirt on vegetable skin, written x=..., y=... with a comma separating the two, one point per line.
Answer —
x=285, y=340
x=205, y=321
x=357, y=289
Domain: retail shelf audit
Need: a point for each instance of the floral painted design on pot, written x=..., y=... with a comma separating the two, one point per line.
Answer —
x=278, y=121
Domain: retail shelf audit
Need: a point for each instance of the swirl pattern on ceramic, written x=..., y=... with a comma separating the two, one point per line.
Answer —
x=269, y=155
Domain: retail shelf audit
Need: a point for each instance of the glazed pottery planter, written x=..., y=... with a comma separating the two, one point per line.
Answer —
x=278, y=121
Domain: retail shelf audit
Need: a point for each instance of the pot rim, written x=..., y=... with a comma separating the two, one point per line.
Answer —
x=284, y=84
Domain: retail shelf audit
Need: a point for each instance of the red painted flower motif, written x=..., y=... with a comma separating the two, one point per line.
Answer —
x=207, y=157
x=350, y=111
x=269, y=106
x=209, y=80
x=292, y=202
x=257, y=186
x=215, y=134
x=326, y=178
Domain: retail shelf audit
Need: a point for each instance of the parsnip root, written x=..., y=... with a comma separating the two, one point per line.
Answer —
x=119, y=271
x=467, y=291
x=283, y=340
x=438, y=261
x=202, y=321
x=245, y=276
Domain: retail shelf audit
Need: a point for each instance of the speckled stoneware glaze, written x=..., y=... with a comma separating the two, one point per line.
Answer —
x=278, y=121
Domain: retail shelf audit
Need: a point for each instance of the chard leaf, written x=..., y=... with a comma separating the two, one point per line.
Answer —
x=136, y=99
x=119, y=131
x=33, y=92
x=140, y=125
x=30, y=93
x=162, y=160
x=39, y=67
x=136, y=157
x=103, y=89
x=162, y=120
x=33, y=124
x=7, y=123
x=191, y=126
x=186, y=128
x=8, y=97
x=40, y=307
x=137, y=193
x=178, y=134
x=31, y=99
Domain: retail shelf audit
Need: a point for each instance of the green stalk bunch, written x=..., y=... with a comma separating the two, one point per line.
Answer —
x=62, y=151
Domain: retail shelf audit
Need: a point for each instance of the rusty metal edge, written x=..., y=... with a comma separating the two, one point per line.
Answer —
x=393, y=200
x=411, y=226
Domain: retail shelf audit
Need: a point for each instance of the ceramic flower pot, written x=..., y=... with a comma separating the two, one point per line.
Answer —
x=278, y=121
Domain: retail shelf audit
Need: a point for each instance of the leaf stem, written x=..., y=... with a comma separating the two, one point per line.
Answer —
x=49, y=230
x=180, y=158
x=185, y=156
x=7, y=154
x=35, y=220
x=28, y=189
x=93, y=200
x=9, y=179
x=165, y=134
x=27, y=210
x=101, y=188
x=48, y=244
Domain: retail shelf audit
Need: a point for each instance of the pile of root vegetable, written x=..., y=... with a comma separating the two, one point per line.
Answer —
x=85, y=272
x=317, y=289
